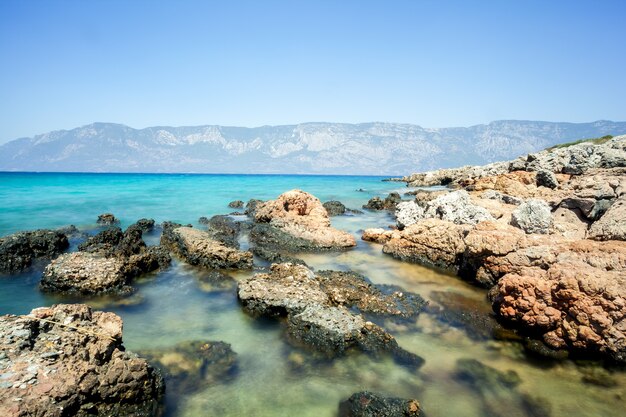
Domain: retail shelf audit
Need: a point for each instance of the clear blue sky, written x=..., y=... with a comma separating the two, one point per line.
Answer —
x=247, y=63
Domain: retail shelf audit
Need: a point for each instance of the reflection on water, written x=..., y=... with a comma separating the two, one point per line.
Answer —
x=274, y=379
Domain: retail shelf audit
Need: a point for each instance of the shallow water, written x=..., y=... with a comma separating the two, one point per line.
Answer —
x=274, y=379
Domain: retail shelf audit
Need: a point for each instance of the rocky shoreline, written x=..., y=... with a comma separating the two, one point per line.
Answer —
x=545, y=235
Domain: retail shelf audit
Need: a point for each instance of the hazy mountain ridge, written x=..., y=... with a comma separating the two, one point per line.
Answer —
x=315, y=148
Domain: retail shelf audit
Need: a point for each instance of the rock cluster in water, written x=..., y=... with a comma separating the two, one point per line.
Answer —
x=19, y=250
x=69, y=360
x=550, y=246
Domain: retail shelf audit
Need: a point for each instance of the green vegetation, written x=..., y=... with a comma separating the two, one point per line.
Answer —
x=595, y=141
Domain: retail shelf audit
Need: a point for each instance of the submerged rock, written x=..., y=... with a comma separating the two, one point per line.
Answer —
x=198, y=247
x=69, y=360
x=19, y=250
x=192, y=366
x=297, y=220
x=368, y=404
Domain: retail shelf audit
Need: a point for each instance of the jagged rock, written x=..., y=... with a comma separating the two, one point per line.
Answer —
x=612, y=224
x=504, y=198
x=251, y=207
x=498, y=391
x=315, y=307
x=389, y=203
x=203, y=220
x=599, y=208
x=107, y=219
x=197, y=247
x=19, y=250
x=368, y=404
x=146, y=225
x=73, y=363
x=225, y=230
x=334, y=208
x=192, y=366
x=236, y=204
x=546, y=179
x=104, y=242
x=379, y=235
x=302, y=216
x=408, y=213
x=533, y=216
x=455, y=207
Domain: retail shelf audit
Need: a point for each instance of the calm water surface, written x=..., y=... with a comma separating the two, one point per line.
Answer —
x=176, y=305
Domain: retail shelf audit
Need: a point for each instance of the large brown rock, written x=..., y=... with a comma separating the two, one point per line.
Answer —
x=302, y=216
x=69, y=360
x=198, y=247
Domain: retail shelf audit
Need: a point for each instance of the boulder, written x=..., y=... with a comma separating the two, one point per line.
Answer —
x=612, y=224
x=546, y=179
x=368, y=404
x=533, y=216
x=408, y=213
x=236, y=204
x=69, y=360
x=198, y=247
x=107, y=219
x=301, y=216
x=334, y=208
x=19, y=250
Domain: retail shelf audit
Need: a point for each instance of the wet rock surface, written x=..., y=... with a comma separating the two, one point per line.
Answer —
x=297, y=220
x=316, y=311
x=334, y=208
x=369, y=404
x=388, y=203
x=69, y=360
x=107, y=219
x=194, y=365
x=236, y=204
x=19, y=250
x=200, y=248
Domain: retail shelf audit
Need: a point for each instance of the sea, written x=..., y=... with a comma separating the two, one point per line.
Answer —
x=463, y=371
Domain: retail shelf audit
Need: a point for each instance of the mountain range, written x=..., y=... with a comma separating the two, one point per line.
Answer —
x=307, y=148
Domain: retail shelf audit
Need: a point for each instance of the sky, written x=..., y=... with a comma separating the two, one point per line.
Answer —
x=64, y=64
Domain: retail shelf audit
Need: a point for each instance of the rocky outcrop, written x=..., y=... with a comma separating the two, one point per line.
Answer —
x=236, y=204
x=455, y=207
x=69, y=360
x=334, y=208
x=389, y=203
x=19, y=250
x=105, y=263
x=533, y=216
x=612, y=224
x=297, y=220
x=317, y=313
x=107, y=219
x=368, y=404
x=198, y=247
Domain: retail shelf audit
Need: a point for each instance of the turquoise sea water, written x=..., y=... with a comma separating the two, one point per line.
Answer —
x=273, y=378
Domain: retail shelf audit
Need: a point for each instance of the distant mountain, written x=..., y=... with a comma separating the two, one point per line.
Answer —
x=308, y=148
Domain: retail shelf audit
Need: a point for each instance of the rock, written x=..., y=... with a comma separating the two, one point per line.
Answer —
x=498, y=391
x=584, y=205
x=546, y=179
x=146, y=225
x=612, y=224
x=203, y=220
x=423, y=196
x=380, y=235
x=504, y=198
x=73, y=363
x=236, y=204
x=368, y=404
x=104, y=242
x=302, y=217
x=408, y=213
x=389, y=203
x=85, y=273
x=197, y=247
x=107, y=219
x=430, y=242
x=251, y=207
x=571, y=304
x=599, y=208
x=570, y=223
x=19, y=250
x=533, y=216
x=212, y=281
x=334, y=208
x=315, y=307
x=455, y=207
x=225, y=230
x=455, y=175
x=275, y=257
x=192, y=366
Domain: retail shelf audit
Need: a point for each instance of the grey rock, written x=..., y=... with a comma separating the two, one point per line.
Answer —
x=546, y=179
x=504, y=198
x=334, y=208
x=107, y=219
x=533, y=216
x=612, y=225
x=408, y=213
x=19, y=250
x=368, y=404
x=236, y=204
